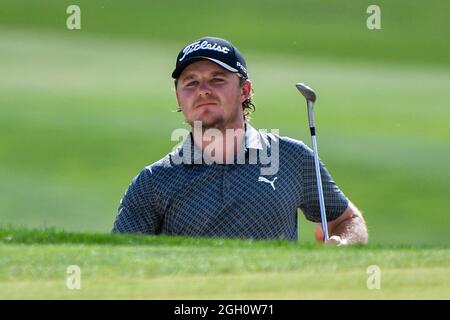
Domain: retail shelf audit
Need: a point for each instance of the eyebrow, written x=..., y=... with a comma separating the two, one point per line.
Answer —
x=219, y=73
x=192, y=75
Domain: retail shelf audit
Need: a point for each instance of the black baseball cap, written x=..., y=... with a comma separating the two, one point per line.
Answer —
x=217, y=50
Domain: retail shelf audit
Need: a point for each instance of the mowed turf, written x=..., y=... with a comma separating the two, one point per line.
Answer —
x=80, y=116
x=34, y=266
x=82, y=112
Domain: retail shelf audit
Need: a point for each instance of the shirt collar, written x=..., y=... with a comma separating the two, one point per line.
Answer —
x=253, y=140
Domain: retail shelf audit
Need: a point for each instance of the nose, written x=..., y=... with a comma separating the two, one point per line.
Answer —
x=204, y=88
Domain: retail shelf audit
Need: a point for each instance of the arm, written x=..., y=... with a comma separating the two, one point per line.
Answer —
x=137, y=211
x=347, y=224
x=348, y=228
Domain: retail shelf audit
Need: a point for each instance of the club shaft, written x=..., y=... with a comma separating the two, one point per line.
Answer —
x=312, y=128
x=320, y=190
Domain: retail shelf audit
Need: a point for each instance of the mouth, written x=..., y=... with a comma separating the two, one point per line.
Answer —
x=204, y=104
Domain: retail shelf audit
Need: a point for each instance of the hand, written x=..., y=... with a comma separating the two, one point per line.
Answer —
x=337, y=240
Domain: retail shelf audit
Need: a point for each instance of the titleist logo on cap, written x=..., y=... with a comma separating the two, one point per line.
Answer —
x=205, y=45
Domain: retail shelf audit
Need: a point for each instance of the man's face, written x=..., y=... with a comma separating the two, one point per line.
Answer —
x=209, y=93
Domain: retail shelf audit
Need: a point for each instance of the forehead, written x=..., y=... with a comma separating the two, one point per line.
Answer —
x=203, y=67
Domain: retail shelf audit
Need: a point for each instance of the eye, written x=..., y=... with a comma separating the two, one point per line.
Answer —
x=218, y=80
x=191, y=84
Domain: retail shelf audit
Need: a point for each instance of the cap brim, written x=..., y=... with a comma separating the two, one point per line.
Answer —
x=179, y=69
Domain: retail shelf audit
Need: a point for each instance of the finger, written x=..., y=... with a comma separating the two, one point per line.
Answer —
x=334, y=240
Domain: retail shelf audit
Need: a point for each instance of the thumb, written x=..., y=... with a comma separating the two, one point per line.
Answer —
x=336, y=240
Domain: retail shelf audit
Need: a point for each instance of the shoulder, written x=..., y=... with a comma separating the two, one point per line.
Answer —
x=295, y=145
x=153, y=172
x=287, y=144
x=158, y=168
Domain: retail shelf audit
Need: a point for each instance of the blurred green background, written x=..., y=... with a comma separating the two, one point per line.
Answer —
x=83, y=111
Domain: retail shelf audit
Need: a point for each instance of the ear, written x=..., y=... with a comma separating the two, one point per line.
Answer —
x=178, y=100
x=246, y=90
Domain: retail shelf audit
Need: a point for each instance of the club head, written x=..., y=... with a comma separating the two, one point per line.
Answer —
x=306, y=91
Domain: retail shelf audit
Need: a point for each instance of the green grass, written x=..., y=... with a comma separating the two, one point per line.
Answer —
x=33, y=265
x=325, y=29
x=82, y=112
x=75, y=134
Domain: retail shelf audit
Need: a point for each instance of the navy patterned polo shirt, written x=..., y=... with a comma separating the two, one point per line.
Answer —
x=240, y=200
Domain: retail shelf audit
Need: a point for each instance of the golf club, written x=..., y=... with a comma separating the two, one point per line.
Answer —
x=310, y=97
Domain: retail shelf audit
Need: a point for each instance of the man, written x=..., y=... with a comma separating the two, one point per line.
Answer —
x=247, y=184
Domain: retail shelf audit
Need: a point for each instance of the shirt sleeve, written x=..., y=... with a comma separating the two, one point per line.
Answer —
x=335, y=200
x=137, y=211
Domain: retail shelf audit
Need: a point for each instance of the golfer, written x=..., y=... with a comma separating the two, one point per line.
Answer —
x=228, y=179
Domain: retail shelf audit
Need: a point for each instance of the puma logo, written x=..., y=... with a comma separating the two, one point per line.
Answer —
x=268, y=181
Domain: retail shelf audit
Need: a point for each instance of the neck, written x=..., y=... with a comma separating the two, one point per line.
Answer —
x=220, y=144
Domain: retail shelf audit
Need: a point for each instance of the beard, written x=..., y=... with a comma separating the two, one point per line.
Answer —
x=212, y=119
x=214, y=116
x=211, y=116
